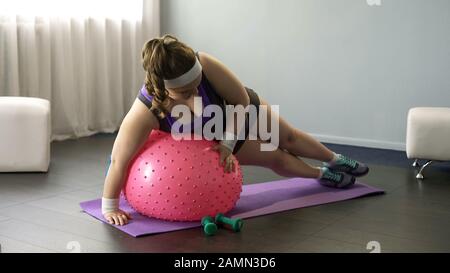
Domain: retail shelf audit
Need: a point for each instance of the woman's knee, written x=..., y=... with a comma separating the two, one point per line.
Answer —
x=288, y=139
x=251, y=154
x=279, y=159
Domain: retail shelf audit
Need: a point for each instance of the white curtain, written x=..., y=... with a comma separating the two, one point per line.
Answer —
x=89, y=68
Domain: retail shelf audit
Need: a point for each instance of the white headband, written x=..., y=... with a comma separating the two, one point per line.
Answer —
x=186, y=78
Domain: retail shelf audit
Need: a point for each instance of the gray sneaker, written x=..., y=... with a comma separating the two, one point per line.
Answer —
x=348, y=165
x=334, y=179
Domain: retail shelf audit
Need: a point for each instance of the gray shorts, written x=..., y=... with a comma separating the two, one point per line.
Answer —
x=254, y=100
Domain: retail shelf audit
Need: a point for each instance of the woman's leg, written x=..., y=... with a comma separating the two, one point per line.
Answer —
x=280, y=161
x=297, y=142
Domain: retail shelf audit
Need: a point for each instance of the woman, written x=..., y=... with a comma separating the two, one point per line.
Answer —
x=175, y=75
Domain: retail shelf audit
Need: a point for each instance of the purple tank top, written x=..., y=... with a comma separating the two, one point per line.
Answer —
x=202, y=89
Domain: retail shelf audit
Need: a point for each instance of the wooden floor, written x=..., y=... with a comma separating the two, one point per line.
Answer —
x=40, y=212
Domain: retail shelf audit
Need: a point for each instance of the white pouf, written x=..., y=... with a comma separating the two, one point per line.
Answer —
x=25, y=132
x=428, y=134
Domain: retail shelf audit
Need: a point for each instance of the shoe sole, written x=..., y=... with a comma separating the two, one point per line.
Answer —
x=355, y=175
x=349, y=185
x=353, y=181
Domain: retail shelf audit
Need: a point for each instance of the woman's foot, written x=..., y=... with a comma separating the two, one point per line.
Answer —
x=344, y=164
x=334, y=179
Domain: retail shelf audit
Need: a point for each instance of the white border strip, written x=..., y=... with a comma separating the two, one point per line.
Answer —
x=361, y=142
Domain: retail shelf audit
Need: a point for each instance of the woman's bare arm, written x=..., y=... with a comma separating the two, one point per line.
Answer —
x=229, y=87
x=224, y=81
x=132, y=134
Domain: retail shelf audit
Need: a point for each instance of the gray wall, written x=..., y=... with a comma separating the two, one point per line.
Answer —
x=343, y=71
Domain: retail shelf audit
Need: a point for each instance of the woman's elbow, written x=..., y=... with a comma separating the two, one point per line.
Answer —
x=244, y=101
x=118, y=162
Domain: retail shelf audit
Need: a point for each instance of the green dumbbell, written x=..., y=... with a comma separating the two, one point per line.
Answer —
x=235, y=224
x=209, y=227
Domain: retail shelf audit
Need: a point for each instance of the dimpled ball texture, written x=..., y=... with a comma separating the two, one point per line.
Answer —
x=180, y=180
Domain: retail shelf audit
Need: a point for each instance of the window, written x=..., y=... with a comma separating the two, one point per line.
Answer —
x=125, y=9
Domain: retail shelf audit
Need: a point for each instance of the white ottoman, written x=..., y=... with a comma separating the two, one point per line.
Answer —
x=25, y=131
x=428, y=135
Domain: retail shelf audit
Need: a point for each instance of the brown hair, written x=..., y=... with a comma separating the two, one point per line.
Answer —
x=164, y=58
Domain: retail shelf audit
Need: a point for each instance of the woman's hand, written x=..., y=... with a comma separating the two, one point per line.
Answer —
x=117, y=217
x=226, y=158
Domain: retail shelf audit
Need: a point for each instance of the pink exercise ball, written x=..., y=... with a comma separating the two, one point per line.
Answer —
x=180, y=180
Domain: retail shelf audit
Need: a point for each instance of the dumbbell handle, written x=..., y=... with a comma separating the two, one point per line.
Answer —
x=236, y=223
x=221, y=218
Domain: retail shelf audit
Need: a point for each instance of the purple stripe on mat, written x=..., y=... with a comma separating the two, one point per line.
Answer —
x=256, y=200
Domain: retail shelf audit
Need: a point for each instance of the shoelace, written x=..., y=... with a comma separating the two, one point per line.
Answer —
x=348, y=161
x=333, y=176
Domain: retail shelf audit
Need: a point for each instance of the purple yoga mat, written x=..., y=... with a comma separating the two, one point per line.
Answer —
x=256, y=200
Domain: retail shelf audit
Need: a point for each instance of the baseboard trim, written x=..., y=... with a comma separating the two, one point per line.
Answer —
x=361, y=142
